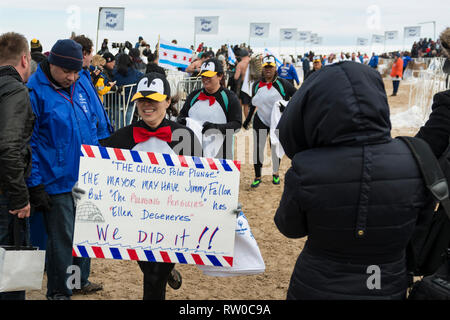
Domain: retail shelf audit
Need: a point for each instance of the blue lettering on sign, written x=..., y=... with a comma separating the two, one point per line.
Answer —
x=120, y=182
x=259, y=31
x=111, y=19
x=206, y=25
x=217, y=206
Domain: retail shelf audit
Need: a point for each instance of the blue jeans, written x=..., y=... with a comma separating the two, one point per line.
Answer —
x=59, y=224
x=6, y=238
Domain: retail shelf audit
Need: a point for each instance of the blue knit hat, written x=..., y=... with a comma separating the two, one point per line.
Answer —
x=67, y=54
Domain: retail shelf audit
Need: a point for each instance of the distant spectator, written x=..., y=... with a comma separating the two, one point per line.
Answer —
x=126, y=74
x=287, y=71
x=396, y=73
x=373, y=63
x=138, y=64
x=36, y=54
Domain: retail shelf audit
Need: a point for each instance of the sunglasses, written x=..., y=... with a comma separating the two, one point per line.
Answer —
x=445, y=45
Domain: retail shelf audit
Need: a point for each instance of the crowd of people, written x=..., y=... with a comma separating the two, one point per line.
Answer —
x=335, y=129
x=426, y=48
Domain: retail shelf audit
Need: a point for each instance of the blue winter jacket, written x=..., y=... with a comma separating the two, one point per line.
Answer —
x=288, y=72
x=104, y=127
x=63, y=123
x=373, y=62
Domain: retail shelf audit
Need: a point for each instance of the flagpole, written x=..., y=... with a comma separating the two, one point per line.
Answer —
x=98, y=27
x=195, y=26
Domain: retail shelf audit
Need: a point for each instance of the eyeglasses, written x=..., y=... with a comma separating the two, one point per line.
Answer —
x=445, y=45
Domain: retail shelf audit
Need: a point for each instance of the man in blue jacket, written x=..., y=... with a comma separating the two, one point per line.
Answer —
x=287, y=71
x=64, y=121
x=373, y=61
x=104, y=127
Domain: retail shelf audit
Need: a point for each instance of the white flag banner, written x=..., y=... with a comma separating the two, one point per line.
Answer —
x=288, y=34
x=303, y=35
x=259, y=30
x=313, y=37
x=391, y=35
x=317, y=41
x=207, y=25
x=376, y=38
x=411, y=32
x=362, y=41
x=111, y=19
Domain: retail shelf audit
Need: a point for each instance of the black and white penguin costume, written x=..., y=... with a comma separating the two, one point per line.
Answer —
x=140, y=137
x=222, y=109
x=264, y=97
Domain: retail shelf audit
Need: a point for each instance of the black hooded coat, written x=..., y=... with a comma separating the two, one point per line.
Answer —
x=352, y=189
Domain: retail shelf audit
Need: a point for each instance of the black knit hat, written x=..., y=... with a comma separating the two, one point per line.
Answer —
x=67, y=54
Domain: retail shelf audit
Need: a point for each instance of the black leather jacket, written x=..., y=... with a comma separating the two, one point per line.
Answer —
x=16, y=126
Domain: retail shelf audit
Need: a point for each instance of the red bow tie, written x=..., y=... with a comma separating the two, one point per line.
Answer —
x=268, y=84
x=203, y=96
x=141, y=134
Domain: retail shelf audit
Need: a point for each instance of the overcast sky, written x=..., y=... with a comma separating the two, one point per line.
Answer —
x=339, y=22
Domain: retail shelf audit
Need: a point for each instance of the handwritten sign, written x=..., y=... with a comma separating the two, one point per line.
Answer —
x=156, y=207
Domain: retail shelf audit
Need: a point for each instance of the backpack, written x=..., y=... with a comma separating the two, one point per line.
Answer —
x=427, y=249
x=282, y=91
x=224, y=97
x=255, y=67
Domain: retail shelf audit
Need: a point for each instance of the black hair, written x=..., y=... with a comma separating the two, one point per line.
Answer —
x=172, y=110
x=123, y=63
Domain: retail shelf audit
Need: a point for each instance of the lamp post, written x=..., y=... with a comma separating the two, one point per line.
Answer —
x=434, y=28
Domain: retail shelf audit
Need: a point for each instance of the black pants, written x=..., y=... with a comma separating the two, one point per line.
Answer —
x=395, y=84
x=260, y=132
x=155, y=279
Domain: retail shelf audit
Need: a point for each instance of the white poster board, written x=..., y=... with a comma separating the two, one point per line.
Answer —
x=156, y=207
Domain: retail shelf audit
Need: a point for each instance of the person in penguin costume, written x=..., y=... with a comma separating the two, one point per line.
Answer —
x=155, y=133
x=265, y=94
x=213, y=112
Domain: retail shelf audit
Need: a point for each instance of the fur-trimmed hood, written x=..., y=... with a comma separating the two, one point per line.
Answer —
x=445, y=38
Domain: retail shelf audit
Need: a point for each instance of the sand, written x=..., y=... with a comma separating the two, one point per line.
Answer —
x=122, y=280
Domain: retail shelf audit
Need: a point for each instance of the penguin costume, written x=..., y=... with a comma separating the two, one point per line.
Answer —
x=265, y=94
x=213, y=112
x=155, y=133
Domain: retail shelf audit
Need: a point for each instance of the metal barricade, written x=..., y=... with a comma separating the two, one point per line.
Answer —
x=186, y=87
x=118, y=106
x=120, y=109
x=429, y=82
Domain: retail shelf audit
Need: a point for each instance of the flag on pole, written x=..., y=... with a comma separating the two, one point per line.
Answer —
x=391, y=35
x=412, y=32
x=362, y=41
x=206, y=25
x=288, y=34
x=259, y=30
x=267, y=53
x=376, y=38
x=303, y=35
x=231, y=55
x=111, y=19
x=172, y=56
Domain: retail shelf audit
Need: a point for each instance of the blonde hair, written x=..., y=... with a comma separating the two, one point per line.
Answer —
x=98, y=61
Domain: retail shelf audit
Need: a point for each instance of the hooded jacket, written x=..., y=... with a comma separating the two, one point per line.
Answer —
x=436, y=130
x=352, y=189
x=63, y=123
x=16, y=126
